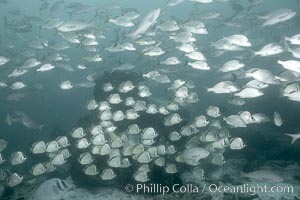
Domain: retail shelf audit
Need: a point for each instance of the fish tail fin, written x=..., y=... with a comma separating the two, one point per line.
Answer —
x=207, y=90
x=9, y=119
x=294, y=137
x=41, y=127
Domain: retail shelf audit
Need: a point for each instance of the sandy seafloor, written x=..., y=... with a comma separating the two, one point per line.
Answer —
x=26, y=191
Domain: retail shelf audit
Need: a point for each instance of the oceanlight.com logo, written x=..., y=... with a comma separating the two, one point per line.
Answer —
x=210, y=188
x=250, y=189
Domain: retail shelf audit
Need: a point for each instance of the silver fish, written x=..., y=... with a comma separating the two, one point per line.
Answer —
x=146, y=23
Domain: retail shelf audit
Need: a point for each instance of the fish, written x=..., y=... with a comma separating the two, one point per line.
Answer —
x=224, y=87
x=91, y=170
x=236, y=143
x=171, y=168
x=3, y=60
x=194, y=155
x=213, y=111
x=18, y=158
x=45, y=67
x=52, y=146
x=3, y=176
x=148, y=21
x=295, y=39
x=263, y=176
x=198, y=173
x=174, y=2
x=202, y=1
x=260, y=118
x=30, y=63
x=123, y=67
x=14, y=180
x=277, y=16
x=18, y=85
x=169, y=25
x=262, y=75
x=51, y=189
x=239, y=40
x=85, y=84
x=18, y=72
x=195, y=27
x=23, y=118
x=277, y=119
x=141, y=176
x=2, y=160
x=66, y=85
x=172, y=119
x=38, y=147
x=256, y=84
x=199, y=64
x=196, y=55
x=58, y=159
x=3, y=144
x=218, y=159
x=82, y=143
x=108, y=174
x=38, y=169
x=249, y=93
x=85, y=158
x=92, y=104
x=231, y=65
x=201, y=121
x=183, y=37
x=235, y=121
x=269, y=50
x=71, y=26
x=236, y=101
x=292, y=65
x=171, y=61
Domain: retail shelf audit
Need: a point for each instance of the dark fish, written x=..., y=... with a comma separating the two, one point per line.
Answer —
x=24, y=119
x=86, y=84
x=16, y=96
